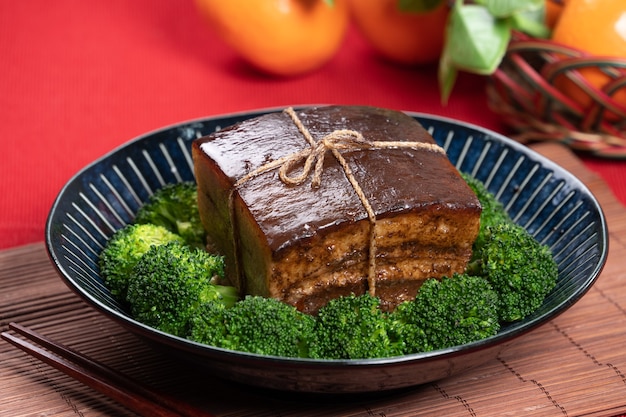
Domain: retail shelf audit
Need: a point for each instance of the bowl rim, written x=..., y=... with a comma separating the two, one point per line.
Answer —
x=511, y=332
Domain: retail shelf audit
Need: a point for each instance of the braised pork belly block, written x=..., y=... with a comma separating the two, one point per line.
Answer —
x=381, y=210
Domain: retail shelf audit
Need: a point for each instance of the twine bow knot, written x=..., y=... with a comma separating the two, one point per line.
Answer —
x=313, y=156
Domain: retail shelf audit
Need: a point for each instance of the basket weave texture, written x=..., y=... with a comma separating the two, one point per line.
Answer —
x=523, y=92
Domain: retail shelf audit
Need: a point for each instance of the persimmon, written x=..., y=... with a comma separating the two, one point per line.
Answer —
x=597, y=27
x=280, y=37
x=554, y=8
x=405, y=37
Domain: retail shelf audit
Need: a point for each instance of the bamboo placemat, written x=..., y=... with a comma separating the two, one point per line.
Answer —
x=574, y=365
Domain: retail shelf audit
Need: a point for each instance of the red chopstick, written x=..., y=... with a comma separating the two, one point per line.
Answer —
x=98, y=376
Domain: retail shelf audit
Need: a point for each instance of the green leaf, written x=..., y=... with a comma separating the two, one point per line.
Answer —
x=476, y=41
x=418, y=6
x=532, y=22
x=478, y=34
x=507, y=8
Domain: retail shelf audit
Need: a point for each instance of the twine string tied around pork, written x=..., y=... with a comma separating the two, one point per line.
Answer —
x=312, y=161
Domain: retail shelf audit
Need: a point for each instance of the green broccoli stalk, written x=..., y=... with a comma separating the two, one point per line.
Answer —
x=447, y=312
x=493, y=212
x=175, y=207
x=170, y=282
x=124, y=249
x=521, y=270
x=353, y=327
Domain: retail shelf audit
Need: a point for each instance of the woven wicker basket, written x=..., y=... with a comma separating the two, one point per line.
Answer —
x=523, y=92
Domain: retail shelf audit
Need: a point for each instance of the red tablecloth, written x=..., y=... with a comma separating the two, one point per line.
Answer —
x=78, y=78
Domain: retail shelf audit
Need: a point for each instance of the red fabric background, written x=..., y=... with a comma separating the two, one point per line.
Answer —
x=80, y=77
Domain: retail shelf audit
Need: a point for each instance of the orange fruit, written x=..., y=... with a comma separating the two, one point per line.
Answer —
x=285, y=38
x=553, y=11
x=597, y=27
x=403, y=37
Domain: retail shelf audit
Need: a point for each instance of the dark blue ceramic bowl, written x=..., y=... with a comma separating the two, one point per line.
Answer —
x=548, y=201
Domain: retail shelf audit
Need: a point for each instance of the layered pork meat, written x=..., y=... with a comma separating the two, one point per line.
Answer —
x=304, y=244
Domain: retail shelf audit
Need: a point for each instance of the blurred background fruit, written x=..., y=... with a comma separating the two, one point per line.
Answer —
x=284, y=38
x=554, y=8
x=401, y=36
x=597, y=27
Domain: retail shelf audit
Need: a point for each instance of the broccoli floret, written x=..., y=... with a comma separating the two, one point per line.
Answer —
x=270, y=327
x=353, y=327
x=493, y=212
x=521, y=270
x=447, y=312
x=175, y=207
x=255, y=324
x=208, y=326
x=171, y=281
x=406, y=330
x=171, y=286
x=123, y=250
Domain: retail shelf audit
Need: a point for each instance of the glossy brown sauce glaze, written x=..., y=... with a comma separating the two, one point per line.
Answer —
x=394, y=180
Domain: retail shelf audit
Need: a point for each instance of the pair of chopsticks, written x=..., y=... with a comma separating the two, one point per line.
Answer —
x=130, y=393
